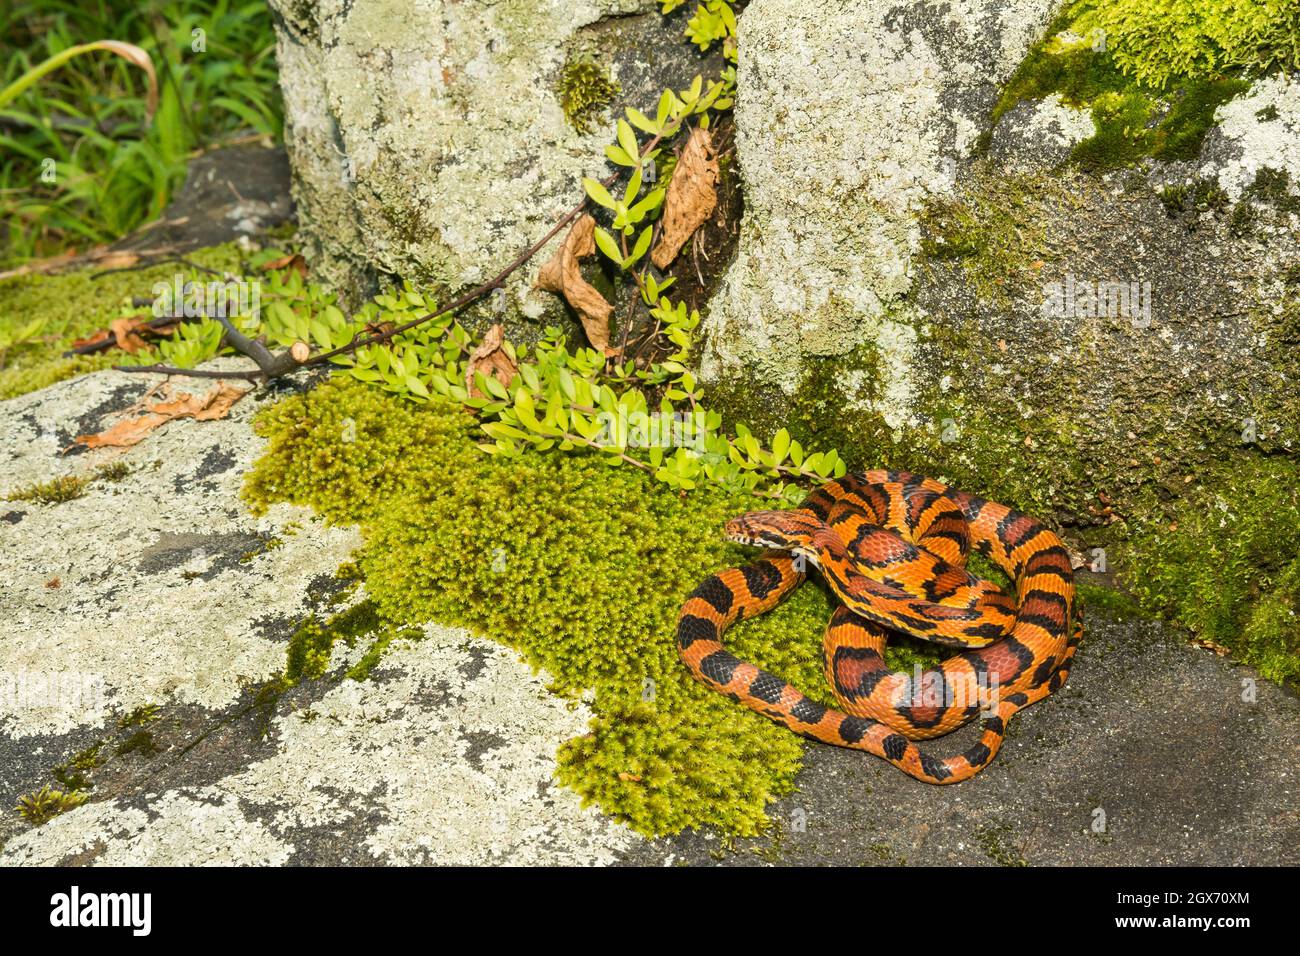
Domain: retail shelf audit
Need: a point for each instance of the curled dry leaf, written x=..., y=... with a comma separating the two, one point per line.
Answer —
x=1210, y=645
x=491, y=359
x=692, y=197
x=133, y=429
x=561, y=275
x=128, y=333
x=292, y=261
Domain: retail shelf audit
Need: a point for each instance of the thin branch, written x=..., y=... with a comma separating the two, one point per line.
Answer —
x=149, y=264
x=249, y=376
x=269, y=365
x=273, y=366
x=360, y=341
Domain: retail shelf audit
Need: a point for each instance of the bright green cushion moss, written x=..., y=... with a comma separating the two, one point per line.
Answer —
x=581, y=567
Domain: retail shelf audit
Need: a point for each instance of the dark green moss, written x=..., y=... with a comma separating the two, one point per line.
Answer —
x=74, y=773
x=145, y=714
x=1109, y=601
x=993, y=840
x=266, y=701
x=1228, y=565
x=1273, y=186
x=140, y=743
x=1201, y=195
x=1181, y=133
x=585, y=89
x=113, y=471
x=312, y=644
x=1133, y=120
x=52, y=492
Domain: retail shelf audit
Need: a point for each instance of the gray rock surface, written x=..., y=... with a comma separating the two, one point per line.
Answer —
x=160, y=589
x=234, y=193
x=1038, y=135
x=852, y=116
x=1155, y=752
x=428, y=139
x=998, y=316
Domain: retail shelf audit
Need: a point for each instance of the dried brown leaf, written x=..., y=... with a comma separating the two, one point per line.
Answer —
x=126, y=333
x=562, y=275
x=103, y=335
x=491, y=359
x=131, y=431
x=292, y=261
x=117, y=260
x=692, y=197
x=1209, y=645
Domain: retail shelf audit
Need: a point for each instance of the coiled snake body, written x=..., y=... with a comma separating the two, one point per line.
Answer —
x=892, y=547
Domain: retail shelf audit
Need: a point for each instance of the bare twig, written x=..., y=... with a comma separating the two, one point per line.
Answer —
x=249, y=376
x=273, y=366
x=157, y=262
x=269, y=364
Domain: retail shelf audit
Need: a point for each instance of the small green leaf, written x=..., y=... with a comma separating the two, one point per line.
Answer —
x=608, y=246
x=627, y=139
x=598, y=193
x=642, y=122
x=780, y=445
x=619, y=156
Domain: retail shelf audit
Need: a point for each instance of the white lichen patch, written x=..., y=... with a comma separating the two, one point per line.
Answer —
x=431, y=761
x=852, y=116
x=1263, y=128
x=178, y=829
x=427, y=135
x=148, y=589
x=1052, y=121
x=1039, y=135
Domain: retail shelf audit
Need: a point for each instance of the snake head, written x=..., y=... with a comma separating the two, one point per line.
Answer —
x=794, y=530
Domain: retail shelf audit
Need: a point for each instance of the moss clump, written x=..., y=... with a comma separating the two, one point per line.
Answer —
x=114, y=471
x=1202, y=195
x=142, y=715
x=75, y=305
x=993, y=841
x=141, y=743
x=993, y=229
x=585, y=89
x=74, y=774
x=313, y=643
x=1273, y=186
x=53, y=492
x=68, y=487
x=1109, y=601
x=45, y=804
x=1228, y=565
x=1161, y=41
x=1135, y=116
x=580, y=566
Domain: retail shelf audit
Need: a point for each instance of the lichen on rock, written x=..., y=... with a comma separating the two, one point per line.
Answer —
x=840, y=144
x=432, y=140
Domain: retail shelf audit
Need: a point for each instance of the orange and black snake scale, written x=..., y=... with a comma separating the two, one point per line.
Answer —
x=892, y=547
